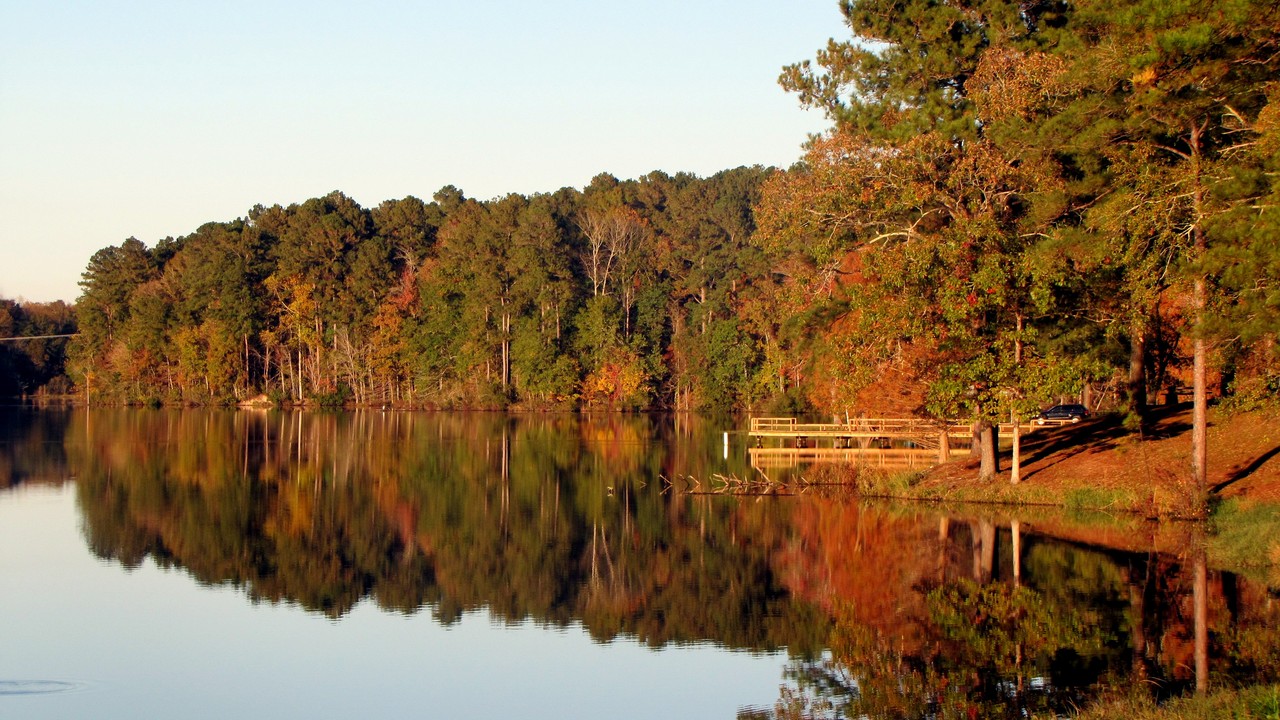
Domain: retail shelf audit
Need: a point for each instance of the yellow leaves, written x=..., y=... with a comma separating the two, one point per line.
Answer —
x=1012, y=84
x=1145, y=76
x=297, y=307
x=843, y=180
x=1268, y=128
x=293, y=512
x=619, y=381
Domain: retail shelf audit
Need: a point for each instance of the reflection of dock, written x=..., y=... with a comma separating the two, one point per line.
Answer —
x=887, y=458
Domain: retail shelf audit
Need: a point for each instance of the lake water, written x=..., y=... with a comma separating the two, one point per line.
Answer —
x=240, y=564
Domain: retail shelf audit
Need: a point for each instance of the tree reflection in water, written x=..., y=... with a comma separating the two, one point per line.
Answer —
x=1006, y=625
x=559, y=519
x=885, y=611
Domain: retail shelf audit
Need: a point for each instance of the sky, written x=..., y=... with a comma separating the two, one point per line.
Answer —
x=148, y=119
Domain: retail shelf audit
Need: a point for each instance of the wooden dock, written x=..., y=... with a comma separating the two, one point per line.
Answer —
x=890, y=428
x=870, y=433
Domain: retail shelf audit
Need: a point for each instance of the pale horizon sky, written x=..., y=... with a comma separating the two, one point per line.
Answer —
x=149, y=119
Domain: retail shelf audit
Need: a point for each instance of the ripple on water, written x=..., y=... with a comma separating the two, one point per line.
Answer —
x=37, y=687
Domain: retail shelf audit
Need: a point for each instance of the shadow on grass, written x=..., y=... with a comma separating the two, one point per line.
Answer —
x=1239, y=473
x=1045, y=448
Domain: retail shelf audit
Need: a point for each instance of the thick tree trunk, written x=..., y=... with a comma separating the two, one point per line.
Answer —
x=986, y=436
x=1136, y=388
x=990, y=449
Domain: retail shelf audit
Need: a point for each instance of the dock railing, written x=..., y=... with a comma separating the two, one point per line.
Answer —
x=766, y=424
x=868, y=427
x=893, y=426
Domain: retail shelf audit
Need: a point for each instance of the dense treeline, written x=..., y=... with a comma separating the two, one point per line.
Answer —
x=29, y=366
x=1016, y=202
x=643, y=293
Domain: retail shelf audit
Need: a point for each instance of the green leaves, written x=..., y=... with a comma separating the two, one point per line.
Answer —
x=1047, y=167
x=907, y=67
x=456, y=302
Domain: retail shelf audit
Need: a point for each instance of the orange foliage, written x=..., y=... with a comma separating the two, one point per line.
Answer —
x=863, y=565
x=619, y=381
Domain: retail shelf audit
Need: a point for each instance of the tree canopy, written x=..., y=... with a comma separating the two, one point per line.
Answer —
x=1022, y=201
x=624, y=295
x=1016, y=203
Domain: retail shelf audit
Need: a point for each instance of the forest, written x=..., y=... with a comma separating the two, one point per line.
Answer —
x=32, y=358
x=1016, y=202
x=627, y=295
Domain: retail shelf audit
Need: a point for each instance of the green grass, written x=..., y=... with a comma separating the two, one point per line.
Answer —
x=1246, y=539
x=1255, y=703
x=1084, y=499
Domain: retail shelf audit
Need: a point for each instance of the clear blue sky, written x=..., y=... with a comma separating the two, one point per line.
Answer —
x=149, y=118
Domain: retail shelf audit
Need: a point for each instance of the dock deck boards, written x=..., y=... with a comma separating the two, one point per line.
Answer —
x=927, y=432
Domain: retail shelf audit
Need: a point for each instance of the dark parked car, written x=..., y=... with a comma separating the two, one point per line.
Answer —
x=1062, y=413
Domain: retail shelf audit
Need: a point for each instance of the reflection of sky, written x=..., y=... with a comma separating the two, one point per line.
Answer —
x=153, y=643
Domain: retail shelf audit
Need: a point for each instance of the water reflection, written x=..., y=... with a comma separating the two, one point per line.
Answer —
x=886, y=611
x=982, y=620
x=556, y=519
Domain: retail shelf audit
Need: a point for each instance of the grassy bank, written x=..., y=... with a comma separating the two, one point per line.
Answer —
x=1100, y=465
x=1255, y=703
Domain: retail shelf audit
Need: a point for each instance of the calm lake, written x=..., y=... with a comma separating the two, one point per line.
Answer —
x=193, y=564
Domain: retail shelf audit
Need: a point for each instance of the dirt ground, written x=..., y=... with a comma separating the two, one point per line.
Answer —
x=1100, y=454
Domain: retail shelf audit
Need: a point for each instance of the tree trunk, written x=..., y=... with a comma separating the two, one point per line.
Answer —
x=1136, y=388
x=628, y=299
x=985, y=434
x=1200, y=351
x=990, y=448
x=1015, y=462
x=506, y=350
x=702, y=300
